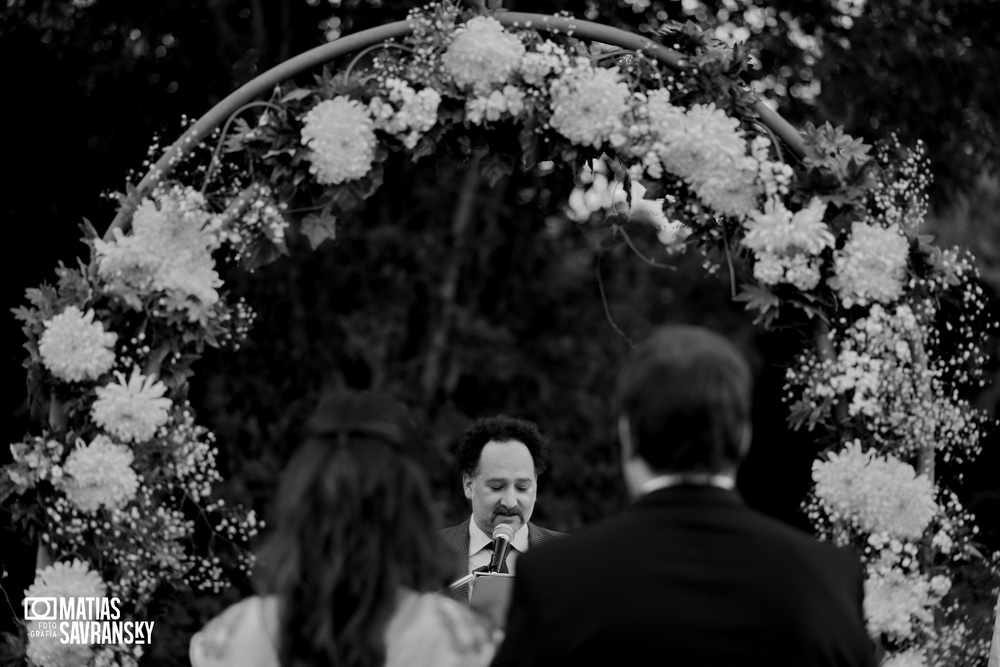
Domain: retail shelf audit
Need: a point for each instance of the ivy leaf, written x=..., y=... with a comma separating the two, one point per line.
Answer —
x=762, y=300
x=528, y=140
x=494, y=167
x=238, y=136
x=803, y=413
x=264, y=252
x=831, y=148
x=318, y=227
x=297, y=94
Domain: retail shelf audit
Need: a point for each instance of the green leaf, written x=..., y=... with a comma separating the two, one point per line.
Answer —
x=528, y=140
x=318, y=227
x=762, y=300
x=297, y=94
x=263, y=253
x=494, y=167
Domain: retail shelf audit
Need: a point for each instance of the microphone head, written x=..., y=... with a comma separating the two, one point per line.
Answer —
x=503, y=531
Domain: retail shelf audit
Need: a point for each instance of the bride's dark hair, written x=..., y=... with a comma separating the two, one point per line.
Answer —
x=354, y=524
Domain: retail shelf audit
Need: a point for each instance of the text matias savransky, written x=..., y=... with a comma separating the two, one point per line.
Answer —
x=84, y=620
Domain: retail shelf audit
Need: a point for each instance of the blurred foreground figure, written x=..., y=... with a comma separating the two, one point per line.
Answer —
x=688, y=574
x=355, y=555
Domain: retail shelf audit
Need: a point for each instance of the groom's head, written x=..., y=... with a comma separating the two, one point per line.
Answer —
x=684, y=401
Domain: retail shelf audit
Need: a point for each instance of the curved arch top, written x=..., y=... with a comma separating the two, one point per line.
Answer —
x=320, y=55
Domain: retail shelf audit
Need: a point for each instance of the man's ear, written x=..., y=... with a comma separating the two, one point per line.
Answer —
x=467, y=485
x=625, y=436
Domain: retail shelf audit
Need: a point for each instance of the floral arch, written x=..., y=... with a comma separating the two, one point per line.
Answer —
x=816, y=230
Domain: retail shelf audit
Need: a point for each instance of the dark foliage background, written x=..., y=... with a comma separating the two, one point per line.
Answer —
x=501, y=312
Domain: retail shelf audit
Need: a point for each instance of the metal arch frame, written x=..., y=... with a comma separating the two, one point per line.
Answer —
x=320, y=55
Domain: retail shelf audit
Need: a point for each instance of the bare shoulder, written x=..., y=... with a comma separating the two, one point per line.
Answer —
x=433, y=629
x=241, y=635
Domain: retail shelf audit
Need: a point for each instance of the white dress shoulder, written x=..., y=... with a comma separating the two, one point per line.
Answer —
x=426, y=630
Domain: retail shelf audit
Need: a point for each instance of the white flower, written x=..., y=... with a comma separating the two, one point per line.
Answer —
x=731, y=190
x=536, y=65
x=896, y=602
x=74, y=347
x=341, y=139
x=790, y=241
x=769, y=231
x=871, y=266
x=131, y=409
x=879, y=494
x=701, y=141
x=588, y=104
x=100, y=475
x=61, y=580
x=908, y=658
x=482, y=54
x=664, y=118
x=769, y=269
x=417, y=111
x=491, y=107
x=169, y=248
x=802, y=272
x=779, y=230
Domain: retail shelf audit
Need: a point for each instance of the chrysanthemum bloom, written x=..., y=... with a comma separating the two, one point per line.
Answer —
x=341, y=139
x=131, y=409
x=482, y=54
x=169, y=248
x=100, y=475
x=588, y=104
x=871, y=266
x=732, y=190
x=769, y=230
x=701, y=141
x=878, y=494
x=125, y=261
x=74, y=347
x=61, y=580
x=895, y=603
x=793, y=241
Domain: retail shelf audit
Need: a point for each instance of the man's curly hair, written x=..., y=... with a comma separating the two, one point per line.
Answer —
x=500, y=428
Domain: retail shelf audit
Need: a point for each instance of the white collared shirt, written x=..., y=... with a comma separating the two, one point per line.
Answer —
x=696, y=479
x=479, y=547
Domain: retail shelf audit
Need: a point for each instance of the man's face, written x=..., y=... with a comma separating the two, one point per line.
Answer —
x=504, y=488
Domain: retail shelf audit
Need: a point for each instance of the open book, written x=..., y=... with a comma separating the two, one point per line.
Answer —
x=490, y=595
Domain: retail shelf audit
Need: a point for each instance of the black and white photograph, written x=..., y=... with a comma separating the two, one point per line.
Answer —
x=501, y=333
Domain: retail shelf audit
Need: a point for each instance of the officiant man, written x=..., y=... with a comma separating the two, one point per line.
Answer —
x=687, y=574
x=500, y=459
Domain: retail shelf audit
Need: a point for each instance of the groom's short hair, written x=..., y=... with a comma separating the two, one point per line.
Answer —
x=686, y=392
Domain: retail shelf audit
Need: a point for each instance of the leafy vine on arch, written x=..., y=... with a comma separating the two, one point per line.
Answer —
x=819, y=232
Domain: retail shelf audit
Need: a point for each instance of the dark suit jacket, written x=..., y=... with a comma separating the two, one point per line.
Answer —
x=688, y=576
x=458, y=537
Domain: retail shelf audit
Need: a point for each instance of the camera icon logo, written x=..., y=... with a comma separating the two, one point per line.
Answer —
x=40, y=608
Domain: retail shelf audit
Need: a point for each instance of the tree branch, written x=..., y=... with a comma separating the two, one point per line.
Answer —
x=430, y=378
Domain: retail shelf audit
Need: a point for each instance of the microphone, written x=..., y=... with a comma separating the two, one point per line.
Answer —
x=503, y=535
